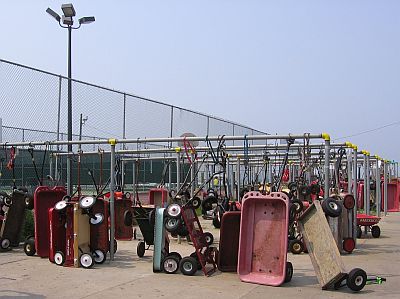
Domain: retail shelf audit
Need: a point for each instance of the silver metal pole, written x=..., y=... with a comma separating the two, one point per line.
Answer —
x=355, y=194
x=134, y=179
x=229, y=167
x=238, y=179
x=326, y=167
x=192, y=173
x=367, y=199
x=378, y=188
x=170, y=176
x=178, y=171
x=123, y=174
x=112, y=208
x=349, y=176
x=57, y=177
x=385, y=188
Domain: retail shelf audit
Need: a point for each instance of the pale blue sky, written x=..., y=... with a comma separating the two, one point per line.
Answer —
x=277, y=66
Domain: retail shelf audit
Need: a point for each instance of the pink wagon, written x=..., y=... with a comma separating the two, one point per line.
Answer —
x=263, y=240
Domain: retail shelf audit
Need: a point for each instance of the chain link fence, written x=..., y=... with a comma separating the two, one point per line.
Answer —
x=34, y=108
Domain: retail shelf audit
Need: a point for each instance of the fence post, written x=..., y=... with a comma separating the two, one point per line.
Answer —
x=112, y=206
x=124, y=122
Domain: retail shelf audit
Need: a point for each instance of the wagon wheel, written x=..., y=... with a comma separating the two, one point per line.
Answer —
x=288, y=272
x=331, y=207
x=141, y=249
x=29, y=246
x=86, y=261
x=188, y=265
x=99, y=256
x=196, y=202
x=170, y=264
x=376, y=231
x=59, y=258
x=359, y=232
x=296, y=246
x=128, y=218
x=357, y=279
x=209, y=238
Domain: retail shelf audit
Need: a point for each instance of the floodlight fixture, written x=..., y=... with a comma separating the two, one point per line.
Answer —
x=86, y=20
x=68, y=10
x=53, y=14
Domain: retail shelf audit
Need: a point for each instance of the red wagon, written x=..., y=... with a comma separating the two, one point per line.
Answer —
x=369, y=222
x=44, y=198
x=263, y=239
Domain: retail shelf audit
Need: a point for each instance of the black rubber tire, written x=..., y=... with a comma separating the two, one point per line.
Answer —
x=196, y=202
x=207, y=203
x=177, y=254
x=152, y=217
x=29, y=246
x=29, y=202
x=288, y=272
x=331, y=207
x=172, y=225
x=296, y=246
x=173, y=211
x=115, y=246
x=188, y=266
x=170, y=264
x=141, y=248
x=5, y=243
x=359, y=232
x=128, y=218
x=356, y=279
x=99, y=256
x=8, y=201
x=86, y=261
x=375, y=231
x=217, y=217
x=209, y=238
x=298, y=205
x=62, y=256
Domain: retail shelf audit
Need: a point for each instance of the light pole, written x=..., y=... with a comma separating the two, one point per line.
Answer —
x=67, y=21
x=82, y=121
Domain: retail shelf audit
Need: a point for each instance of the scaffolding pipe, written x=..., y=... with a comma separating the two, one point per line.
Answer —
x=112, y=207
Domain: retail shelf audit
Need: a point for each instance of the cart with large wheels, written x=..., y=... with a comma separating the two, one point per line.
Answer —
x=14, y=207
x=263, y=240
x=324, y=253
x=44, y=198
x=145, y=218
x=204, y=256
x=121, y=205
x=99, y=232
x=76, y=218
x=161, y=244
x=369, y=222
x=229, y=242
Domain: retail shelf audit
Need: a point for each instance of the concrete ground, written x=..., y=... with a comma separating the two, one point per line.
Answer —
x=130, y=276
